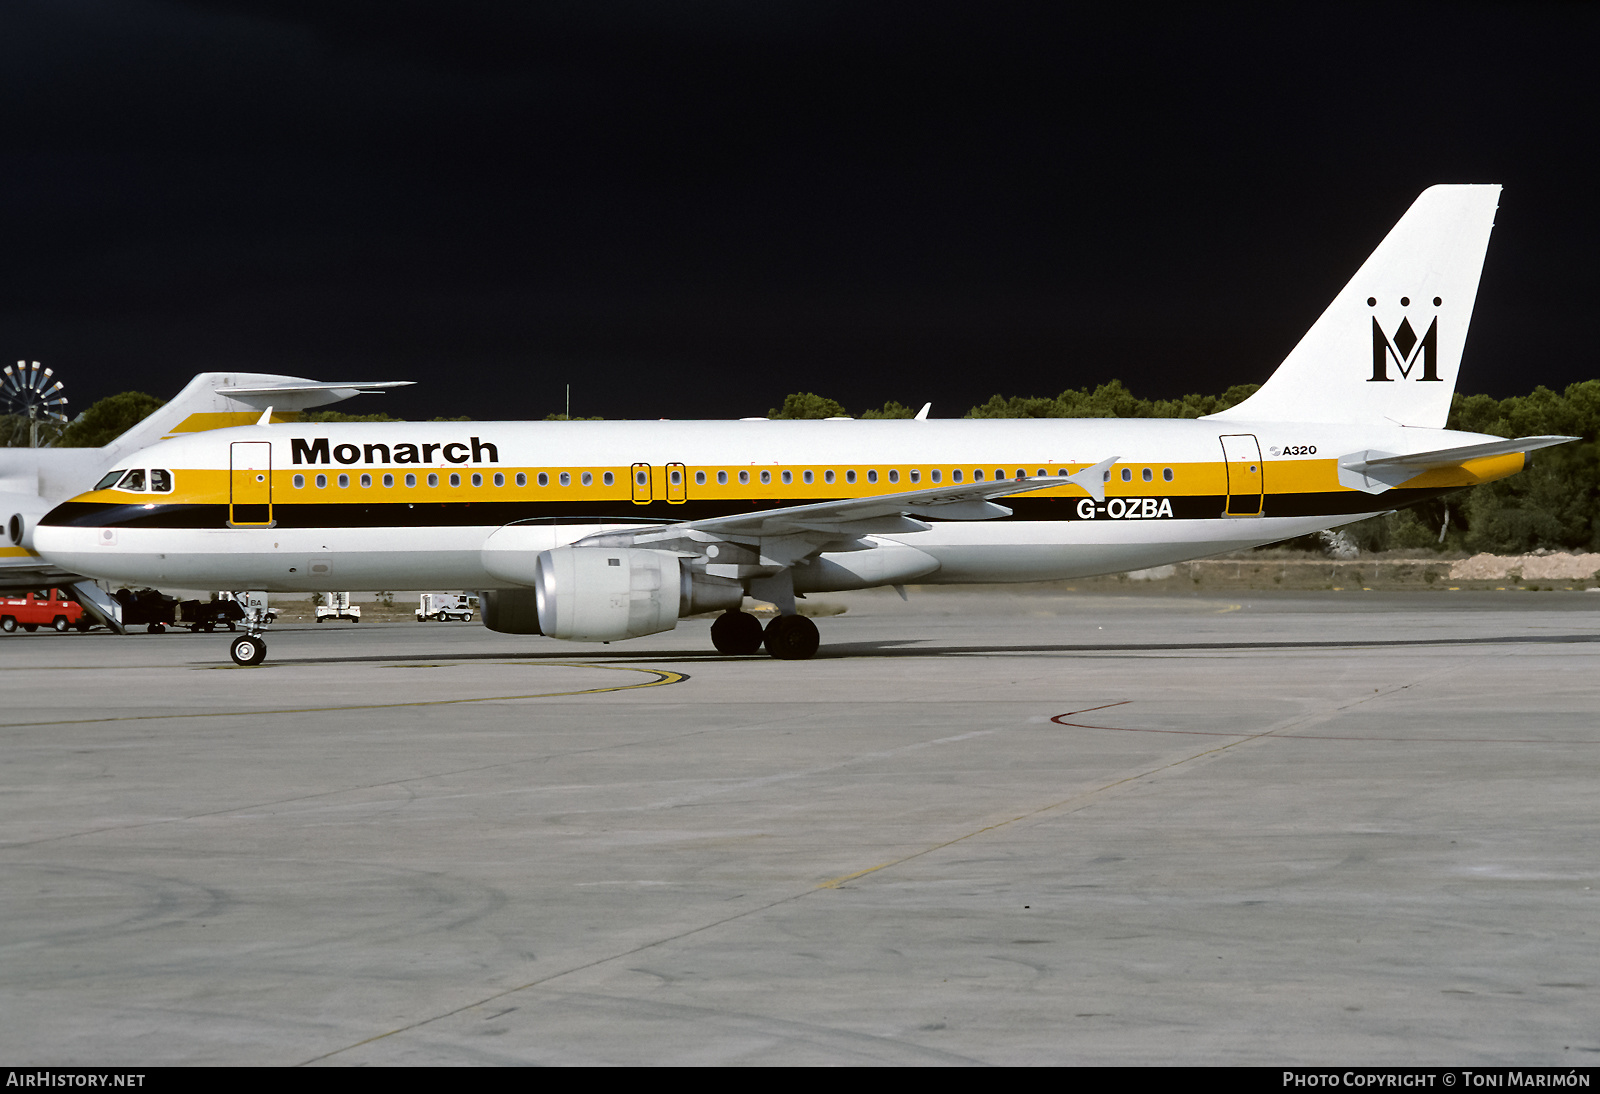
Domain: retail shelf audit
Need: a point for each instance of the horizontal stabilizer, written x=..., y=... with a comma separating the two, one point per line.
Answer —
x=1374, y=472
x=300, y=387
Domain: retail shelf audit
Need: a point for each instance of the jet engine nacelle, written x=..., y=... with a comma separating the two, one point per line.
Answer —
x=602, y=594
x=21, y=513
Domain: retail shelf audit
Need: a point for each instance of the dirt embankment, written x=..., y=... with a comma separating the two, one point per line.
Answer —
x=1554, y=571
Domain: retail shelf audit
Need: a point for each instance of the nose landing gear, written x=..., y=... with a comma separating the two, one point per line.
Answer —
x=248, y=649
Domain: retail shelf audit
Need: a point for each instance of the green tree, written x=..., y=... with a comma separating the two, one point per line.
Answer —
x=109, y=419
x=803, y=404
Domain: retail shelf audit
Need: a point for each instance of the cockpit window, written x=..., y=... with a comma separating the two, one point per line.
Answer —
x=160, y=480
x=133, y=480
x=110, y=479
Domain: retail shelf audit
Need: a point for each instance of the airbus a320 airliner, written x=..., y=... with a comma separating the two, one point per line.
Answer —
x=599, y=531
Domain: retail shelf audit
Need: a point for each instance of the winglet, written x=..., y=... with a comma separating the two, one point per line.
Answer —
x=922, y=415
x=266, y=417
x=1093, y=479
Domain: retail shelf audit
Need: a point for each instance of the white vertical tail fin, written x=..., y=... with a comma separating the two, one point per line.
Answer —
x=1389, y=345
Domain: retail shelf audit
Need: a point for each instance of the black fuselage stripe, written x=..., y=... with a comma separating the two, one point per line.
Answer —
x=77, y=514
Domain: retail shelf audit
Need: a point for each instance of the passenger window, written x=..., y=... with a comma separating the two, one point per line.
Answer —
x=827, y=477
x=499, y=479
x=977, y=476
x=161, y=481
x=872, y=476
x=766, y=477
x=916, y=476
x=807, y=477
x=344, y=482
x=411, y=480
x=433, y=479
x=322, y=482
x=788, y=477
x=1148, y=475
x=366, y=481
x=1127, y=474
x=1167, y=474
x=676, y=477
x=850, y=476
x=608, y=478
x=522, y=479
x=699, y=478
x=640, y=477
x=299, y=482
x=722, y=478
x=477, y=479
x=388, y=481
x=566, y=478
x=744, y=478
x=588, y=479
x=1061, y=473
x=936, y=476
x=894, y=476
x=955, y=476
x=544, y=479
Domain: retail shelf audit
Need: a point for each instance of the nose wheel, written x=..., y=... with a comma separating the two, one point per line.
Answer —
x=248, y=649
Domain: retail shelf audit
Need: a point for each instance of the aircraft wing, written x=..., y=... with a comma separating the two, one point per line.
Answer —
x=1375, y=472
x=881, y=513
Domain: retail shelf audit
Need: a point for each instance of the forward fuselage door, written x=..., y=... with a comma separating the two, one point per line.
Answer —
x=250, y=484
x=677, y=483
x=1246, y=483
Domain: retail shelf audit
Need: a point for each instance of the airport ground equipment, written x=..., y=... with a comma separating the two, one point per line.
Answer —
x=155, y=610
x=57, y=609
x=443, y=607
x=338, y=607
x=208, y=615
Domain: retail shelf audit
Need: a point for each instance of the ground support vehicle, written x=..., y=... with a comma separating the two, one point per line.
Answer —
x=338, y=607
x=204, y=615
x=53, y=608
x=156, y=610
x=443, y=607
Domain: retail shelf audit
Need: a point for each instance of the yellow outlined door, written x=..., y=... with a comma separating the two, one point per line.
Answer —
x=677, y=483
x=1246, y=485
x=641, y=483
x=250, y=483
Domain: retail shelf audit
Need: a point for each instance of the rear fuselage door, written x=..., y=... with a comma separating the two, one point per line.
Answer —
x=641, y=484
x=250, y=484
x=677, y=483
x=1246, y=483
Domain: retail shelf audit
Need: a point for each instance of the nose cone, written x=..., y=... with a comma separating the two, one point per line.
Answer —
x=76, y=535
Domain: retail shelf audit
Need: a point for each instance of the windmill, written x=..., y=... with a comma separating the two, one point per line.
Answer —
x=33, y=393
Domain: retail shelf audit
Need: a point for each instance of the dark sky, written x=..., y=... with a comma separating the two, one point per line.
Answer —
x=688, y=209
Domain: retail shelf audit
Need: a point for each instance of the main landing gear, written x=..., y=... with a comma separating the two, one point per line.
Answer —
x=787, y=637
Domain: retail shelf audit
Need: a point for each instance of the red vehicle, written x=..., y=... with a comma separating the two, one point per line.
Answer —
x=53, y=608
